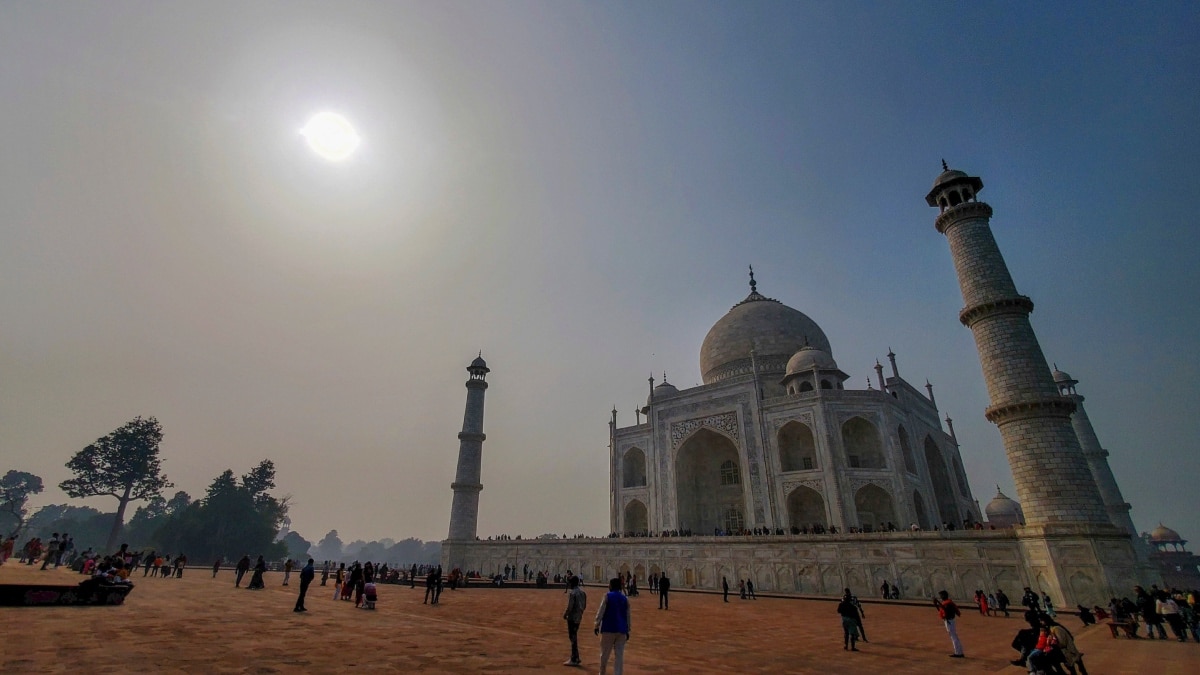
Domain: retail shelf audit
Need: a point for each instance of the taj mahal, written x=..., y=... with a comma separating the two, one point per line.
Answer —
x=774, y=469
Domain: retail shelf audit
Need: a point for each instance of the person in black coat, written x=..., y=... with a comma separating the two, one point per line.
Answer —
x=664, y=587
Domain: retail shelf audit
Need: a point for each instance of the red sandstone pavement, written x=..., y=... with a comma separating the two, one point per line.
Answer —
x=201, y=625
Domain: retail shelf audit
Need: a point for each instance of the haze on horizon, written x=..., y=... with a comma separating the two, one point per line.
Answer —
x=575, y=189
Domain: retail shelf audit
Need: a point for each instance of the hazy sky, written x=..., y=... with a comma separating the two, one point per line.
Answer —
x=576, y=189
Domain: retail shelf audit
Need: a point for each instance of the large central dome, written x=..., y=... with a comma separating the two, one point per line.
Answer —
x=769, y=327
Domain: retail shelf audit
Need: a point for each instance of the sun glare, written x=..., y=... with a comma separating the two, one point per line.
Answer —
x=331, y=136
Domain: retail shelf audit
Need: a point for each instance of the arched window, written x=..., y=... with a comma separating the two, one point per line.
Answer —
x=806, y=386
x=733, y=520
x=729, y=473
x=633, y=468
x=825, y=384
x=955, y=198
x=797, y=448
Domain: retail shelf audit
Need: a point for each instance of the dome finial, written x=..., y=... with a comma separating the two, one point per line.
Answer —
x=944, y=167
x=753, y=283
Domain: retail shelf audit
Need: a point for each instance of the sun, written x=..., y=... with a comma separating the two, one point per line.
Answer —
x=331, y=136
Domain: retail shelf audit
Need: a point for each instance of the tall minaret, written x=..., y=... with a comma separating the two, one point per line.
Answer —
x=1053, y=480
x=1114, y=503
x=464, y=513
x=1064, y=511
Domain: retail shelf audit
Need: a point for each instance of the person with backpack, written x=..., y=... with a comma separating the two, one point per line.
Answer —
x=948, y=611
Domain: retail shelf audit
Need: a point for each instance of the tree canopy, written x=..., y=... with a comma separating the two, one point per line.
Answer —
x=15, y=489
x=124, y=464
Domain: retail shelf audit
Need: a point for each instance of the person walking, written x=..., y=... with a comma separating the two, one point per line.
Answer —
x=257, y=582
x=576, y=603
x=849, y=613
x=243, y=566
x=1002, y=601
x=948, y=611
x=725, y=589
x=51, y=551
x=287, y=571
x=750, y=589
x=216, y=566
x=862, y=630
x=664, y=588
x=613, y=623
x=306, y=576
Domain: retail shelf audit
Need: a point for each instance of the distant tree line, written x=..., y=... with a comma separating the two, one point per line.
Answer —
x=236, y=516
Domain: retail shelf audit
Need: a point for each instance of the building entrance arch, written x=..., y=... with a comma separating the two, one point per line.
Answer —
x=708, y=483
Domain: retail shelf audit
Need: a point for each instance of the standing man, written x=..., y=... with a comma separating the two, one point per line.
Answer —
x=287, y=570
x=325, y=573
x=664, y=587
x=613, y=623
x=243, y=566
x=948, y=611
x=750, y=589
x=725, y=589
x=51, y=551
x=576, y=603
x=306, y=576
x=216, y=566
x=849, y=613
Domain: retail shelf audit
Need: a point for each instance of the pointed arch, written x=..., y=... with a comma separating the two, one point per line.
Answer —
x=943, y=492
x=633, y=468
x=636, y=517
x=797, y=447
x=707, y=481
x=922, y=511
x=806, y=508
x=860, y=439
x=910, y=462
x=875, y=507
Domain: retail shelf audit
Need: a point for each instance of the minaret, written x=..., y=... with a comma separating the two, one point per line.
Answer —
x=1064, y=511
x=464, y=513
x=1114, y=503
x=1054, y=482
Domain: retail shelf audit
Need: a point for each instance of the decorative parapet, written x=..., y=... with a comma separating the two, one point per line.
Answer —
x=1047, y=407
x=1015, y=305
x=961, y=212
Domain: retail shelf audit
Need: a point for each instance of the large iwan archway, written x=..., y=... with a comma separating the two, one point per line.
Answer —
x=708, y=483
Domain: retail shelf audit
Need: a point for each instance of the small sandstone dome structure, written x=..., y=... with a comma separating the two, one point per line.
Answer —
x=1003, y=511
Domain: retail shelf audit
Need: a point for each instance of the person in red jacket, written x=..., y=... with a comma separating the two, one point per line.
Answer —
x=948, y=611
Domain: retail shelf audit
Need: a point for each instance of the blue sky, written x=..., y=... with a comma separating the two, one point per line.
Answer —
x=576, y=189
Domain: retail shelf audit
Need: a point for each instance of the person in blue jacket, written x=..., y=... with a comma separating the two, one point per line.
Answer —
x=613, y=622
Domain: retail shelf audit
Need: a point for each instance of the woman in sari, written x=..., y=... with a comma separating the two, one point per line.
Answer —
x=256, y=581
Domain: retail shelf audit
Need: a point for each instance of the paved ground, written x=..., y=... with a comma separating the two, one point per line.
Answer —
x=201, y=625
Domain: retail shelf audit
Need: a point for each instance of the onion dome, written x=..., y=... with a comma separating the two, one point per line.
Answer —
x=1002, y=505
x=810, y=357
x=764, y=325
x=1164, y=535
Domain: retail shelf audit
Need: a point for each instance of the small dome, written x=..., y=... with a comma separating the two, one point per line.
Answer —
x=1062, y=378
x=1164, y=534
x=947, y=176
x=809, y=357
x=1002, y=506
x=661, y=391
x=479, y=363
